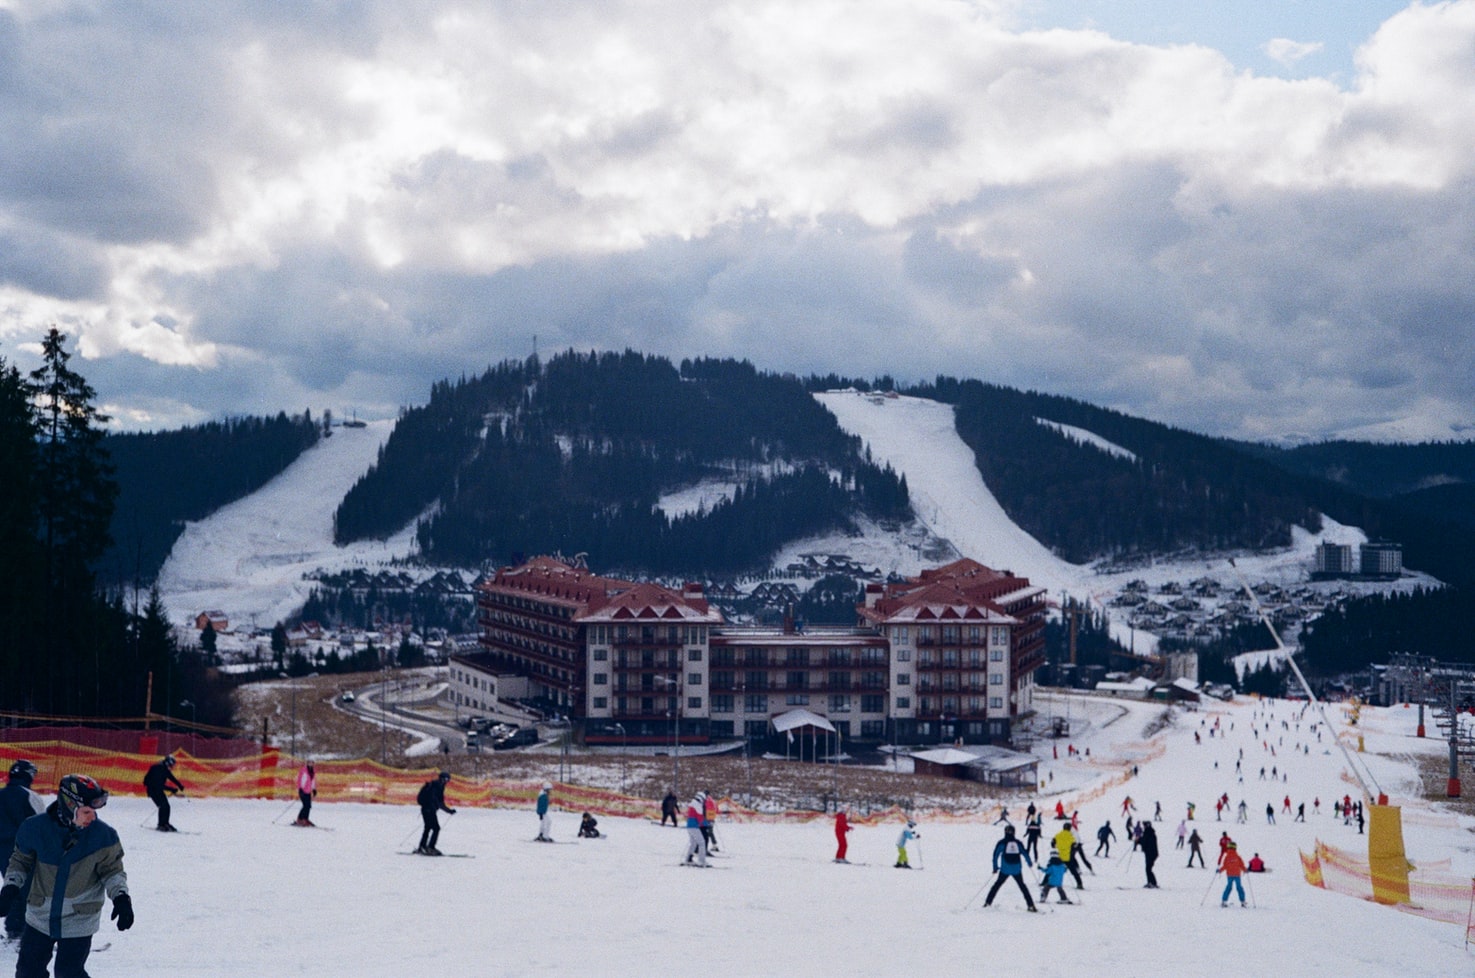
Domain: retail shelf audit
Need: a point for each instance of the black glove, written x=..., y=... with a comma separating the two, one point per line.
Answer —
x=451, y=811
x=123, y=911
x=8, y=895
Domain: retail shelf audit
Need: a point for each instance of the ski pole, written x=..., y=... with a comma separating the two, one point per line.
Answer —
x=1252, y=890
x=283, y=812
x=976, y=895
x=921, y=864
x=406, y=840
x=1212, y=883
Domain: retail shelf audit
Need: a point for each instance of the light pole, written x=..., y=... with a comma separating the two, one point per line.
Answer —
x=674, y=682
x=192, y=718
x=623, y=745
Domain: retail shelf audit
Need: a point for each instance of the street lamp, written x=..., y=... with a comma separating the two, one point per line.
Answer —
x=192, y=717
x=624, y=743
x=674, y=682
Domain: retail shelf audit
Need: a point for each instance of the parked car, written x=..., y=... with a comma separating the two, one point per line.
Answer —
x=522, y=738
x=473, y=741
x=346, y=697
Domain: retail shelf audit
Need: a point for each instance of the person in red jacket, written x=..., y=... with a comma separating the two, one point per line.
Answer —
x=1257, y=865
x=842, y=827
x=1234, y=868
x=1224, y=843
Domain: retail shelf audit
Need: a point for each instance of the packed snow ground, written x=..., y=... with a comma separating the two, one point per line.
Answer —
x=250, y=896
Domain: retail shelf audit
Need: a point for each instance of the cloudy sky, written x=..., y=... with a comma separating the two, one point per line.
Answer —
x=1254, y=221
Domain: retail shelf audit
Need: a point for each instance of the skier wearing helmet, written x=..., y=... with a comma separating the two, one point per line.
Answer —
x=159, y=782
x=73, y=859
x=432, y=800
x=17, y=803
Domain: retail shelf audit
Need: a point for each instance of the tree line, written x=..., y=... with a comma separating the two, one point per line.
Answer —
x=575, y=454
x=69, y=647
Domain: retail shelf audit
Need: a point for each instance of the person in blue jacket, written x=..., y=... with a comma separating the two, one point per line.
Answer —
x=545, y=820
x=1010, y=858
x=17, y=803
x=73, y=860
x=1054, y=878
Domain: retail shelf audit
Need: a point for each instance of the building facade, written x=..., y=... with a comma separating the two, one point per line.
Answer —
x=948, y=656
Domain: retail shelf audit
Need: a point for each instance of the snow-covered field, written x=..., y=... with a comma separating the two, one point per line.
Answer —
x=249, y=896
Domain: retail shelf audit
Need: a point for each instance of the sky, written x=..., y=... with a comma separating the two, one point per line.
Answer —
x=240, y=893
x=1252, y=220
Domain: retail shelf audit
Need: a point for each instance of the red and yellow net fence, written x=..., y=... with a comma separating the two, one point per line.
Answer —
x=1420, y=890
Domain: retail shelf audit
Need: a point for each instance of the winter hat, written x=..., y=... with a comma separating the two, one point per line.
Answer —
x=1009, y=830
x=547, y=786
x=1231, y=846
x=445, y=775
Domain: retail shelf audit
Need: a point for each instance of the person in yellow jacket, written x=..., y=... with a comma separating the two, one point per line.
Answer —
x=1065, y=843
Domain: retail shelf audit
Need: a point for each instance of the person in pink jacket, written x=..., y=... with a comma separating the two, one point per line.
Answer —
x=307, y=790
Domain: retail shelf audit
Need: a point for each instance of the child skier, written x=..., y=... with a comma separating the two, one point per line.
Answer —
x=1233, y=867
x=1054, y=879
x=842, y=829
x=588, y=827
x=696, y=844
x=907, y=835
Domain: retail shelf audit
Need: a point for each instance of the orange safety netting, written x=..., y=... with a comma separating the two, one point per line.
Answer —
x=1438, y=896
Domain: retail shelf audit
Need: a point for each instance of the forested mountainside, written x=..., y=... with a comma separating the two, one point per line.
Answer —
x=1378, y=470
x=1176, y=490
x=167, y=477
x=575, y=454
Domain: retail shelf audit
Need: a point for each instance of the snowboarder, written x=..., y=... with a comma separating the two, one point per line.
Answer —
x=669, y=807
x=1233, y=867
x=696, y=842
x=907, y=835
x=1149, y=853
x=588, y=827
x=307, y=790
x=1010, y=858
x=1195, y=848
x=1104, y=835
x=432, y=800
x=72, y=859
x=17, y=803
x=545, y=820
x=842, y=829
x=159, y=782
x=1054, y=877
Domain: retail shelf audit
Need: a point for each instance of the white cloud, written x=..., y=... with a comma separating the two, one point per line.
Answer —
x=1287, y=52
x=420, y=192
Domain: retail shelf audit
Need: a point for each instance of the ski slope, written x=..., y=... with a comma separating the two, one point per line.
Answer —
x=248, y=559
x=250, y=896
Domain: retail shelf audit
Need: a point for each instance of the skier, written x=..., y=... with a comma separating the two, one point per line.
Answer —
x=709, y=820
x=588, y=827
x=1104, y=835
x=842, y=829
x=432, y=799
x=1128, y=805
x=545, y=820
x=17, y=803
x=1270, y=812
x=1033, y=826
x=159, y=782
x=307, y=790
x=696, y=844
x=1054, y=877
x=1065, y=844
x=72, y=859
x=1195, y=848
x=1149, y=853
x=907, y=835
x=1300, y=811
x=1243, y=812
x=1010, y=858
x=1233, y=867
x=1257, y=865
x=1157, y=811
x=669, y=807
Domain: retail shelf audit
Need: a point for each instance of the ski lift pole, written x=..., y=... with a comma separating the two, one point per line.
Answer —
x=1306, y=687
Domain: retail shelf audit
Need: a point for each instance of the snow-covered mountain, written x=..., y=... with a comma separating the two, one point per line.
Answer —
x=249, y=558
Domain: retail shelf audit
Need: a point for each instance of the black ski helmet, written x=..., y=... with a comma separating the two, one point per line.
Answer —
x=168, y=760
x=445, y=775
x=77, y=790
x=1008, y=830
x=23, y=771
